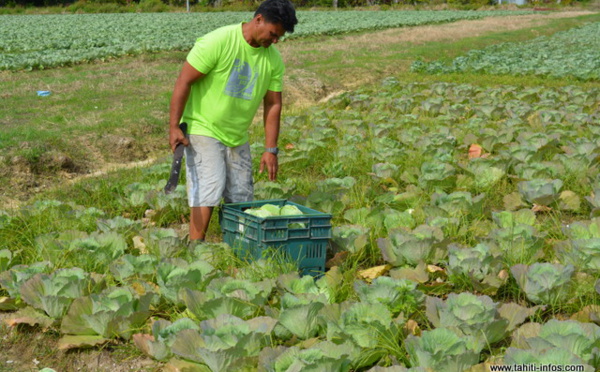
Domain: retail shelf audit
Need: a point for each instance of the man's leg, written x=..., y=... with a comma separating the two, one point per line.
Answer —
x=205, y=166
x=239, y=186
x=199, y=220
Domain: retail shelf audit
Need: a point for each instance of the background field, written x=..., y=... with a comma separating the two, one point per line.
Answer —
x=43, y=41
x=378, y=123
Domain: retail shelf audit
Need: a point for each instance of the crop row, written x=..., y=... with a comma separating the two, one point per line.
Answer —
x=572, y=53
x=278, y=322
x=42, y=41
x=479, y=203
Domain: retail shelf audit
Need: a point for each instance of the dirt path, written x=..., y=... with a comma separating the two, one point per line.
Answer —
x=454, y=31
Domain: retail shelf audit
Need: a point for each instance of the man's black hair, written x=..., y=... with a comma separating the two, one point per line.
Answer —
x=278, y=12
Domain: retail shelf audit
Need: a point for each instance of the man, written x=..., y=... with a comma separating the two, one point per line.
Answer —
x=227, y=74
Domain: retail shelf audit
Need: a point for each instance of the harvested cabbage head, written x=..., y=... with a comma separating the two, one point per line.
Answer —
x=272, y=209
x=259, y=212
x=290, y=210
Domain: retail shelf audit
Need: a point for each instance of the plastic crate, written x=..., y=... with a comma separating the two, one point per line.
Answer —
x=302, y=238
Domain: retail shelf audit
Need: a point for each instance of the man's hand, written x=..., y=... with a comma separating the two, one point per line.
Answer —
x=269, y=161
x=176, y=137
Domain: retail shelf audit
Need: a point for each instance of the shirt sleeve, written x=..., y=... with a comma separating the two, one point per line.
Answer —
x=205, y=53
x=276, y=83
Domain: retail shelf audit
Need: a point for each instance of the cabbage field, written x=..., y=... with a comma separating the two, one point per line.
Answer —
x=43, y=41
x=466, y=233
x=572, y=53
x=412, y=174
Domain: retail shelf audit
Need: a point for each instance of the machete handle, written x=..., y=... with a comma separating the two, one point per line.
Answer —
x=183, y=127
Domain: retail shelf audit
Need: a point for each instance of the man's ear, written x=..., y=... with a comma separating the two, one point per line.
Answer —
x=259, y=19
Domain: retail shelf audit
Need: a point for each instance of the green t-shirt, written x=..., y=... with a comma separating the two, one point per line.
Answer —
x=223, y=103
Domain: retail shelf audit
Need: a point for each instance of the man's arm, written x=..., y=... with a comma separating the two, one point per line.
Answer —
x=272, y=115
x=181, y=92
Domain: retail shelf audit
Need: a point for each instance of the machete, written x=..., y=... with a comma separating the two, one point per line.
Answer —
x=176, y=165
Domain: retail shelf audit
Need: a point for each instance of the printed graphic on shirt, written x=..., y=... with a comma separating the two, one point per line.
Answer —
x=241, y=81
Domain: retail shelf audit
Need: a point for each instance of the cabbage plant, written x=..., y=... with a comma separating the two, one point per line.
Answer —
x=375, y=219
x=91, y=252
x=114, y=313
x=368, y=325
x=469, y=315
x=267, y=190
x=584, y=254
x=582, y=230
x=319, y=358
x=550, y=356
x=128, y=266
x=12, y=279
x=54, y=293
x=398, y=295
x=543, y=170
x=559, y=342
x=582, y=249
x=304, y=298
x=135, y=194
x=225, y=343
x=309, y=289
x=442, y=350
x=484, y=174
x=325, y=201
x=161, y=242
x=393, y=219
x=437, y=175
x=300, y=317
x=384, y=170
x=594, y=201
x=166, y=203
x=174, y=274
x=516, y=237
x=540, y=191
x=506, y=219
x=350, y=238
x=331, y=195
x=367, y=332
x=164, y=333
x=403, y=247
x=119, y=224
x=240, y=298
x=544, y=283
x=459, y=203
x=477, y=266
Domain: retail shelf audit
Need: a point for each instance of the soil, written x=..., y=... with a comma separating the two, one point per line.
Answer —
x=25, y=348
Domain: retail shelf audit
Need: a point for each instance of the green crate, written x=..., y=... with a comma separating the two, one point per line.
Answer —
x=303, y=238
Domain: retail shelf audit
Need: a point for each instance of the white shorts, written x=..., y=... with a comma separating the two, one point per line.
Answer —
x=215, y=171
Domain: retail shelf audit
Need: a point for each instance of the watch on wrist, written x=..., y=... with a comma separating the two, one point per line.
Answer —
x=272, y=150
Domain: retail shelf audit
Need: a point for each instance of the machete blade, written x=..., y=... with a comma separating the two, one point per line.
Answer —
x=176, y=165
